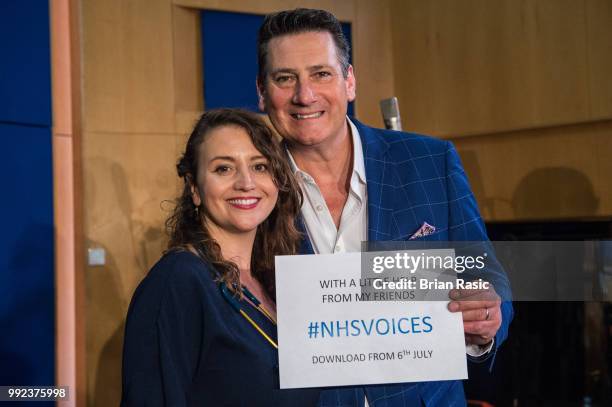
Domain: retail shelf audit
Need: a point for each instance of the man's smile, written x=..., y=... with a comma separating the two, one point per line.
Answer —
x=305, y=116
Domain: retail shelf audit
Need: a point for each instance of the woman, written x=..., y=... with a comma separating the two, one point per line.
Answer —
x=200, y=329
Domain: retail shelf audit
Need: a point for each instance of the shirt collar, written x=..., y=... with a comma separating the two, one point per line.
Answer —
x=358, y=159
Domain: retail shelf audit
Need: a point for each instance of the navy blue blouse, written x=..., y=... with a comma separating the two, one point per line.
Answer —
x=186, y=346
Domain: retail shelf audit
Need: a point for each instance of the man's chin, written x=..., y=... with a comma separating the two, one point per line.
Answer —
x=312, y=133
x=307, y=140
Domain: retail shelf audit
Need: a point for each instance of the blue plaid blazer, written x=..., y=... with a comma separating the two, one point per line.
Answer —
x=413, y=179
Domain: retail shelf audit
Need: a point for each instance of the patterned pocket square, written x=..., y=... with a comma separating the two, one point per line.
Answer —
x=425, y=230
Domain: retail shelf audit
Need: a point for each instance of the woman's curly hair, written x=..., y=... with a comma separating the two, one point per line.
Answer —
x=277, y=235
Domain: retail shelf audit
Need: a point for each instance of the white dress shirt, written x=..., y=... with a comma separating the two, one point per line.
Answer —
x=353, y=230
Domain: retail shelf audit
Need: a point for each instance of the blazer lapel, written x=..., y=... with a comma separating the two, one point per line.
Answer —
x=381, y=180
x=388, y=198
x=305, y=243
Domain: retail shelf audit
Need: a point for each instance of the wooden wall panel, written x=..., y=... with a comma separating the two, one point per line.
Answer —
x=554, y=173
x=531, y=79
x=188, y=69
x=373, y=59
x=478, y=67
x=413, y=65
x=475, y=47
x=343, y=9
x=128, y=66
x=599, y=49
x=126, y=178
x=560, y=69
x=448, y=56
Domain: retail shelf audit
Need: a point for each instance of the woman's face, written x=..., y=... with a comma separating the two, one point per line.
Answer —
x=234, y=181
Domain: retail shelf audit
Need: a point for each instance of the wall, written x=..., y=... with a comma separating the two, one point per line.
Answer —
x=26, y=245
x=558, y=172
x=141, y=94
x=529, y=82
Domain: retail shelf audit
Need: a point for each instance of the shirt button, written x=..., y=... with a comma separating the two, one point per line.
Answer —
x=319, y=208
x=337, y=248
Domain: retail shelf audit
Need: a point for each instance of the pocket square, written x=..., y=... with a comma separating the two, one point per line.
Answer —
x=425, y=230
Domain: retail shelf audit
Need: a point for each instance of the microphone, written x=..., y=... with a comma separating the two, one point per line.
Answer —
x=391, y=114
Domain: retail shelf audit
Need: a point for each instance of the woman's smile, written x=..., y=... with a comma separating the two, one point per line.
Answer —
x=244, y=203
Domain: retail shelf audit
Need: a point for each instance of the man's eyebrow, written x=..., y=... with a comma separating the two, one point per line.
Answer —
x=294, y=71
x=283, y=70
x=317, y=67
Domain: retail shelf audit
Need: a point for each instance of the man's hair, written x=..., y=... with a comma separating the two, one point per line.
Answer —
x=299, y=21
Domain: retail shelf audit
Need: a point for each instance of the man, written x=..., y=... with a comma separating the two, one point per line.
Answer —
x=361, y=183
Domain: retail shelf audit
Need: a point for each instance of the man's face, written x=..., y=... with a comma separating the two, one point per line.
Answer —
x=304, y=91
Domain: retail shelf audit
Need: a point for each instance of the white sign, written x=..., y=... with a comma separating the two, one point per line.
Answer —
x=332, y=334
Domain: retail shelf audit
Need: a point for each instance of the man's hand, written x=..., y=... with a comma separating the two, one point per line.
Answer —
x=481, y=311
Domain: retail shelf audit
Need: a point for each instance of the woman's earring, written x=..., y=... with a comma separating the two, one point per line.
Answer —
x=197, y=210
